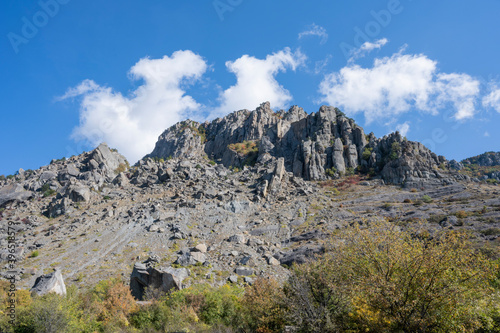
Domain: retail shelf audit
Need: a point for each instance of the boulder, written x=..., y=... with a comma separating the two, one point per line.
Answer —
x=49, y=283
x=79, y=193
x=200, y=248
x=238, y=239
x=13, y=192
x=244, y=271
x=164, y=279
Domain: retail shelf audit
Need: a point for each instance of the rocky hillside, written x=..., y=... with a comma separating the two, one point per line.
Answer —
x=484, y=167
x=243, y=196
x=486, y=159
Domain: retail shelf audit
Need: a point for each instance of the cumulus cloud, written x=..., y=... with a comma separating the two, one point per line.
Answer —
x=461, y=90
x=404, y=128
x=492, y=100
x=398, y=84
x=133, y=123
x=367, y=47
x=315, y=30
x=256, y=81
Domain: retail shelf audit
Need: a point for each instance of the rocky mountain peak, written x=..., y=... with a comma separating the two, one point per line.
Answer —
x=315, y=146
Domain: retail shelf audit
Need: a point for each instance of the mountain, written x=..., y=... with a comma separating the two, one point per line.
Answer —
x=242, y=196
x=484, y=167
x=314, y=146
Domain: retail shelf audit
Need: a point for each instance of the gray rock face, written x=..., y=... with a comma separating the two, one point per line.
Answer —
x=486, y=159
x=79, y=193
x=300, y=255
x=13, y=192
x=104, y=159
x=305, y=144
x=244, y=271
x=184, y=139
x=50, y=283
x=164, y=279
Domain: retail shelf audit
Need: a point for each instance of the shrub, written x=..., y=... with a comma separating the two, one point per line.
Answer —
x=194, y=308
x=331, y=172
x=315, y=299
x=34, y=254
x=47, y=191
x=426, y=199
x=2, y=177
x=383, y=279
x=387, y=206
x=111, y=302
x=122, y=167
x=244, y=148
x=491, y=232
x=264, y=306
x=461, y=214
x=367, y=153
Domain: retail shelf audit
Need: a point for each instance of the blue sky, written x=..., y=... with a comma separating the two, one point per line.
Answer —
x=79, y=72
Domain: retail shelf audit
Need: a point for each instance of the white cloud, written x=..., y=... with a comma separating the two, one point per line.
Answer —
x=315, y=30
x=367, y=47
x=460, y=90
x=133, y=123
x=486, y=134
x=492, y=100
x=398, y=84
x=256, y=81
x=320, y=65
x=404, y=128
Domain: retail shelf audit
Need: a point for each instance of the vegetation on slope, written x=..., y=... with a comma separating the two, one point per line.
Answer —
x=375, y=278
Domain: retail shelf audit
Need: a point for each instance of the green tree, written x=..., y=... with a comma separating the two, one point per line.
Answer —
x=407, y=281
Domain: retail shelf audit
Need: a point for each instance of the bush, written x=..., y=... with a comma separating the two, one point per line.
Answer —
x=47, y=191
x=196, y=308
x=122, y=167
x=315, y=299
x=331, y=172
x=211, y=305
x=264, y=309
x=34, y=254
x=383, y=279
x=426, y=199
x=111, y=302
x=367, y=153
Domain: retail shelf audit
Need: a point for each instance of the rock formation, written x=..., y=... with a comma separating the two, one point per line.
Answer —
x=145, y=278
x=49, y=283
x=313, y=146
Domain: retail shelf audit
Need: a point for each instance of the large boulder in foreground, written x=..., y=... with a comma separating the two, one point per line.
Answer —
x=49, y=283
x=163, y=279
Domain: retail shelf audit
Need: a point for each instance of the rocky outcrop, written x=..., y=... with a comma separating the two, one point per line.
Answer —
x=486, y=159
x=184, y=139
x=13, y=192
x=313, y=146
x=145, y=278
x=49, y=283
